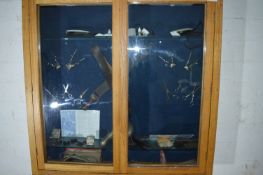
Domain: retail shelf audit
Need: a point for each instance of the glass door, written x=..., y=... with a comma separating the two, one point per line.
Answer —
x=76, y=83
x=165, y=52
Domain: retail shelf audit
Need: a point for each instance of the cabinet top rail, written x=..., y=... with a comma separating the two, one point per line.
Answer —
x=169, y=1
x=77, y=2
x=82, y=2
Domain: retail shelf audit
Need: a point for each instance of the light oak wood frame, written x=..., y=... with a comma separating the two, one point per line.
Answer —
x=210, y=91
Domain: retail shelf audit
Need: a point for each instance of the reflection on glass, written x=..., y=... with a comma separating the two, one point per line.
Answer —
x=76, y=83
x=165, y=75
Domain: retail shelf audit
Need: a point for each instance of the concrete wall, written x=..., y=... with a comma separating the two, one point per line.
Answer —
x=14, y=148
x=240, y=125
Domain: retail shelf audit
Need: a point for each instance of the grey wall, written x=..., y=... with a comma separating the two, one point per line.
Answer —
x=240, y=125
x=14, y=148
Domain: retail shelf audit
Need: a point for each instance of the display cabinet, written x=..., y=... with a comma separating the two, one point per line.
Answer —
x=122, y=86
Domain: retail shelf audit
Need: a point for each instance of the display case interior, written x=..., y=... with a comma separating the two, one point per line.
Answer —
x=76, y=59
x=165, y=82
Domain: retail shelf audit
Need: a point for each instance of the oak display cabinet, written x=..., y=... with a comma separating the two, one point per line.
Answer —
x=122, y=86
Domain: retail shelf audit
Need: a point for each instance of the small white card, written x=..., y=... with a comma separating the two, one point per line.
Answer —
x=80, y=123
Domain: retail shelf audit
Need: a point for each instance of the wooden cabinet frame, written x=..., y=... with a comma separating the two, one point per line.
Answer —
x=210, y=91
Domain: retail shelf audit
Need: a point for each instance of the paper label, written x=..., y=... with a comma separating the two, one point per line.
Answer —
x=79, y=123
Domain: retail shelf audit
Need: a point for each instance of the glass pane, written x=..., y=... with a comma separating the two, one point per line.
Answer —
x=76, y=59
x=165, y=77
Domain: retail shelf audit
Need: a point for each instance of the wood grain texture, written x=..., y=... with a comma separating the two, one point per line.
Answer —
x=84, y=173
x=28, y=86
x=120, y=84
x=72, y=2
x=36, y=83
x=79, y=168
x=48, y=172
x=172, y=170
x=206, y=85
x=168, y=1
x=215, y=86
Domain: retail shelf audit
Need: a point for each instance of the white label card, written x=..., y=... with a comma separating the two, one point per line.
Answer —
x=80, y=123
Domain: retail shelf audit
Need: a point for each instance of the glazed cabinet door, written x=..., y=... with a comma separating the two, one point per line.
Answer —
x=76, y=82
x=72, y=82
x=169, y=62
